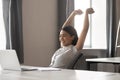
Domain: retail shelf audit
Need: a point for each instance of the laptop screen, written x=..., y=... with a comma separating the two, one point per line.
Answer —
x=9, y=60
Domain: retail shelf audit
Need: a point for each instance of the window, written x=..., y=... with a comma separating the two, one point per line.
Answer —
x=2, y=29
x=96, y=37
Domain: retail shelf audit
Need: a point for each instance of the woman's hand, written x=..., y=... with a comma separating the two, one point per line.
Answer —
x=89, y=11
x=77, y=12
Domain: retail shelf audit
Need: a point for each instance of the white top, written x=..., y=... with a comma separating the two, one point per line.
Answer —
x=63, y=57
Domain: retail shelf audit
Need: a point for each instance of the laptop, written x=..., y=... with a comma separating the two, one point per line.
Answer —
x=9, y=61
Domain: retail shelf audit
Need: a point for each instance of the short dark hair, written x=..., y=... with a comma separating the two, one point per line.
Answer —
x=71, y=30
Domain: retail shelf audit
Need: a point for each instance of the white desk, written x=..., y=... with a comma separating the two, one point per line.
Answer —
x=58, y=75
x=111, y=60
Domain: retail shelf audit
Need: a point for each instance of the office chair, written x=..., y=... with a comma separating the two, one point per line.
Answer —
x=76, y=59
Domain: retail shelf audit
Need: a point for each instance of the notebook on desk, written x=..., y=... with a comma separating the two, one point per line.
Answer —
x=9, y=61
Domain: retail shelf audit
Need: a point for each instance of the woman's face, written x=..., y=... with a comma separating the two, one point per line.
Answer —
x=65, y=38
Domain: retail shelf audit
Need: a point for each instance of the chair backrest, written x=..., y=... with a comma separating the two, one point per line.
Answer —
x=73, y=63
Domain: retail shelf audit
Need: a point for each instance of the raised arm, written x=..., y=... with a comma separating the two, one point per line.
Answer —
x=83, y=34
x=70, y=19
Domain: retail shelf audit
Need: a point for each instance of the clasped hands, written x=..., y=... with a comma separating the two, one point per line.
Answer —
x=79, y=11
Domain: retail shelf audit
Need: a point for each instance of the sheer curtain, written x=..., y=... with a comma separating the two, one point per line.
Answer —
x=69, y=7
x=12, y=13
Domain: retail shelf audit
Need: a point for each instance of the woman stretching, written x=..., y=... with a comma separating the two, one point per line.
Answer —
x=70, y=43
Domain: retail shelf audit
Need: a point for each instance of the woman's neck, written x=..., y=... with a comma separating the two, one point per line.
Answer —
x=66, y=46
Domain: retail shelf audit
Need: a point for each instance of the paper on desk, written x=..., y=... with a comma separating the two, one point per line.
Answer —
x=48, y=69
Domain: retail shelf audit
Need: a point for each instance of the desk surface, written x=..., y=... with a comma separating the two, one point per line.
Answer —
x=62, y=74
x=105, y=60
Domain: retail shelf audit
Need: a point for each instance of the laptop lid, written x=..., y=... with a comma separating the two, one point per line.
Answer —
x=9, y=60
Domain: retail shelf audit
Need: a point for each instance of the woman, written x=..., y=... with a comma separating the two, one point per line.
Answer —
x=70, y=43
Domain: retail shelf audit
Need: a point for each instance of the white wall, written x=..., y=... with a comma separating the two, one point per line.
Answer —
x=39, y=31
